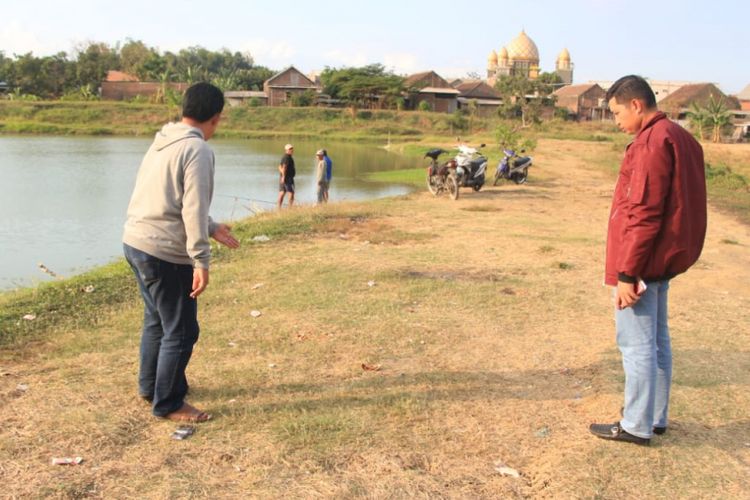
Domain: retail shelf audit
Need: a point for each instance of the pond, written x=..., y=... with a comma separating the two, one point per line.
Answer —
x=64, y=199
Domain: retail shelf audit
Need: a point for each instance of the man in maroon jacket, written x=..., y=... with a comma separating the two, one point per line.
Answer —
x=656, y=230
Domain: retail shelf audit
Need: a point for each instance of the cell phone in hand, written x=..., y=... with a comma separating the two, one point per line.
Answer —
x=641, y=287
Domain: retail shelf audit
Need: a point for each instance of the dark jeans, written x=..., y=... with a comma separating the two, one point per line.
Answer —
x=170, y=328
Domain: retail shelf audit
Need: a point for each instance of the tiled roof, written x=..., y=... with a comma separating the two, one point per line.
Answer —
x=574, y=90
x=120, y=76
x=699, y=93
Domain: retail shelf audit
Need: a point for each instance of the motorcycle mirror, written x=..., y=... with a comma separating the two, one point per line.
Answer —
x=482, y=145
x=523, y=150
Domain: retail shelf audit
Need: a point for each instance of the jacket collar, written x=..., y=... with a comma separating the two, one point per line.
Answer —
x=658, y=116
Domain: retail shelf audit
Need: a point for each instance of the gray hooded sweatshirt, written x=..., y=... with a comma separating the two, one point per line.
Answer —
x=168, y=212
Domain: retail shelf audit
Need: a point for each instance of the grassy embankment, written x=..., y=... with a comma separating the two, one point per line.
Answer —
x=492, y=338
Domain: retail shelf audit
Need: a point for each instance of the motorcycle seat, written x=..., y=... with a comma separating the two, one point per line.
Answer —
x=475, y=164
x=521, y=160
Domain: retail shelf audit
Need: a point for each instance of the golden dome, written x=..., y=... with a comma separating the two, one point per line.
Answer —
x=493, y=58
x=503, y=56
x=523, y=48
x=564, y=56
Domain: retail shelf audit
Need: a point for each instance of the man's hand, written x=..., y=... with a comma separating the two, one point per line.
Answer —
x=626, y=295
x=200, y=282
x=223, y=234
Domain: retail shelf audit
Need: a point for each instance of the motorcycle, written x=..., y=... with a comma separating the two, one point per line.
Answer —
x=513, y=167
x=441, y=177
x=471, y=166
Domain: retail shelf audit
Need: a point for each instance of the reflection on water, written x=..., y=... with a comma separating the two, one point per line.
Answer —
x=63, y=200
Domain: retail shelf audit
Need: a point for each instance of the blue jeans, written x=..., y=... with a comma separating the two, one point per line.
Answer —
x=170, y=329
x=643, y=339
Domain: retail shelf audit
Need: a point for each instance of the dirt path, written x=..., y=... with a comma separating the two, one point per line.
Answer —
x=493, y=343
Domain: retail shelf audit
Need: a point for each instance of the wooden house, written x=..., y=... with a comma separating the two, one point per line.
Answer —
x=485, y=98
x=584, y=101
x=431, y=88
x=280, y=88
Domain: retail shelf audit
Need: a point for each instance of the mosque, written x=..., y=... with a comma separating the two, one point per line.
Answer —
x=521, y=57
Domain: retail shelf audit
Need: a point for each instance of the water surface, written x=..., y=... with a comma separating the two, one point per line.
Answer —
x=64, y=199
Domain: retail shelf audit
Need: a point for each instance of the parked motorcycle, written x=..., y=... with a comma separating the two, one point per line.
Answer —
x=471, y=167
x=441, y=178
x=513, y=167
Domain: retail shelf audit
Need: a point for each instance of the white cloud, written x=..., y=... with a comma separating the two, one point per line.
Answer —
x=270, y=53
x=15, y=38
x=337, y=58
x=403, y=63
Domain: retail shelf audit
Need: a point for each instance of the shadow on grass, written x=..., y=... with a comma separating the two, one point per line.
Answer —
x=698, y=368
x=381, y=389
x=493, y=194
x=732, y=437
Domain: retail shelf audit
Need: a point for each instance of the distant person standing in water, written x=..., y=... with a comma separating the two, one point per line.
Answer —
x=166, y=243
x=329, y=173
x=320, y=176
x=286, y=175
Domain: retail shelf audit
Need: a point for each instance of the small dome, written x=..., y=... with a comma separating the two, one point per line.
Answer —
x=493, y=58
x=503, y=56
x=523, y=48
x=564, y=56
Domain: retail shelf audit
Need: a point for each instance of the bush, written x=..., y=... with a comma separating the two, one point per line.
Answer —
x=424, y=106
x=458, y=121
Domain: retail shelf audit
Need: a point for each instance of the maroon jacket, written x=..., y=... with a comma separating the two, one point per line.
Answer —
x=658, y=219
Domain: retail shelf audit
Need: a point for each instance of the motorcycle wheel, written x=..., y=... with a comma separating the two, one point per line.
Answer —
x=520, y=177
x=452, y=185
x=432, y=185
x=477, y=187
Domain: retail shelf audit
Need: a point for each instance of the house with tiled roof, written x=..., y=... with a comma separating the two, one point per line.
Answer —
x=282, y=86
x=583, y=101
x=485, y=98
x=433, y=89
x=119, y=86
x=678, y=103
x=744, y=98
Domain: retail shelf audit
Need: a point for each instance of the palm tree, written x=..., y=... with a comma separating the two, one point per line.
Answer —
x=698, y=119
x=718, y=117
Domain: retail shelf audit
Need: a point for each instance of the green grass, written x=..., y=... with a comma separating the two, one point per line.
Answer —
x=729, y=191
x=411, y=176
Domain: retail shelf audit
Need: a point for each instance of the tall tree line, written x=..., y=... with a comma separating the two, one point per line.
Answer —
x=54, y=76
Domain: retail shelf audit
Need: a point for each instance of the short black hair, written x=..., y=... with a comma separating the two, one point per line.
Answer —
x=202, y=101
x=325, y=153
x=632, y=87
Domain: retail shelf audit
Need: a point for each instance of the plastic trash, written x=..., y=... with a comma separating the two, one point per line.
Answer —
x=67, y=461
x=183, y=432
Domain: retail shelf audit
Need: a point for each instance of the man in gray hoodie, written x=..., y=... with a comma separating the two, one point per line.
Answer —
x=166, y=243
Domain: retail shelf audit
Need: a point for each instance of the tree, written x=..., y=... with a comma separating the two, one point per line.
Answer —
x=525, y=97
x=508, y=137
x=369, y=86
x=699, y=119
x=718, y=117
x=138, y=59
x=93, y=60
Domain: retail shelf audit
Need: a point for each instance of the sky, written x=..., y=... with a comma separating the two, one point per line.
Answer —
x=658, y=39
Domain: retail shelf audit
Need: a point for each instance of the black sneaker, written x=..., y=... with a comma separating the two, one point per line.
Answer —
x=657, y=430
x=616, y=433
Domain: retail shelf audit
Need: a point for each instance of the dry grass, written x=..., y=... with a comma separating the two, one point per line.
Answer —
x=491, y=352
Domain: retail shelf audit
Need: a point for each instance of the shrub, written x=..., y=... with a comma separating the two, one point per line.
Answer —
x=424, y=106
